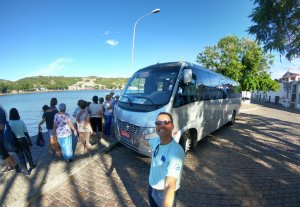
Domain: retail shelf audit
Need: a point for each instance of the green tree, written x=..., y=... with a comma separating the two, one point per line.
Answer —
x=277, y=26
x=242, y=60
x=5, y=86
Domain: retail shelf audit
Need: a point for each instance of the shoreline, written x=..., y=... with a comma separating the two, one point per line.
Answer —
x=46, y=91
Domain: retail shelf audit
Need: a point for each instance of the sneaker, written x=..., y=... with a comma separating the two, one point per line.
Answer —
x=26, y=172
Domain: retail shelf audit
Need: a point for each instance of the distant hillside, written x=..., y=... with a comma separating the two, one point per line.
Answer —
x=41, y=83
x=2, y=80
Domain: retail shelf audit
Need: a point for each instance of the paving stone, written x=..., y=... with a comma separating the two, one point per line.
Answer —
x=254, y=163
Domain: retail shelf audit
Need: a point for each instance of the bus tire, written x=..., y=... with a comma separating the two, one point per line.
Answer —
x=232, y=120
x=185, y=142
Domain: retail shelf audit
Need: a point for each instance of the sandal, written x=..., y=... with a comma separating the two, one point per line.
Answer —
x=7, y=169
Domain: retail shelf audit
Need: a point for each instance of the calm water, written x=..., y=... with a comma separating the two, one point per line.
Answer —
x=30, y=105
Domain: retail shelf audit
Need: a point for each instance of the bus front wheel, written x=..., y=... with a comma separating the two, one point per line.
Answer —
x=232, y=120
x=185, y=142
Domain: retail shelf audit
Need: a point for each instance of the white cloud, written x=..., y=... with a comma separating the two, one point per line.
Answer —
x=107, y=32
x=112, y=42
x=54, y=68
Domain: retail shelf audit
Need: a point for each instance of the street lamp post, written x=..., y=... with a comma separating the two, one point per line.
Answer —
x=132, y=54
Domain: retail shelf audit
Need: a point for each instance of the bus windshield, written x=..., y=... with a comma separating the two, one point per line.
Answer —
x=149, y=88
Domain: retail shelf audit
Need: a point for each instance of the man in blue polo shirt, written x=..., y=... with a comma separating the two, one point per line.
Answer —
x=166, y=164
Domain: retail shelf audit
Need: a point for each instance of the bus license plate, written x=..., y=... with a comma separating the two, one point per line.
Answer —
x=125, y=134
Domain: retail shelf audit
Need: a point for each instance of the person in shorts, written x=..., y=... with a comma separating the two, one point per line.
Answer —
x=48, y=117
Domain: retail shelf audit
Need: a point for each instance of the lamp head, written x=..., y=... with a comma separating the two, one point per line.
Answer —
x=155, y=11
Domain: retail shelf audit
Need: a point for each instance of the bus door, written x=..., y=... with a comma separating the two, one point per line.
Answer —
x=203, y=98
x=187, y=109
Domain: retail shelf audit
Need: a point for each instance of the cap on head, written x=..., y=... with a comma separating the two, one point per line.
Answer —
x=62, y=107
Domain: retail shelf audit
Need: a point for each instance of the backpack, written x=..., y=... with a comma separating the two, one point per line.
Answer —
x=9, y=139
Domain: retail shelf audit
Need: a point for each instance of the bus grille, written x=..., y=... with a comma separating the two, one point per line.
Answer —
x=131, y=128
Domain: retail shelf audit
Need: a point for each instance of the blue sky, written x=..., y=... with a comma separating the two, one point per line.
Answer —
x=94, y=37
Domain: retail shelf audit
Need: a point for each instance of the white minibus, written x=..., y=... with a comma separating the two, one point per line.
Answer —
x=200, y=101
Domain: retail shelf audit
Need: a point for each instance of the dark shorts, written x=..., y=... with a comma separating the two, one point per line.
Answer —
x=96, y=123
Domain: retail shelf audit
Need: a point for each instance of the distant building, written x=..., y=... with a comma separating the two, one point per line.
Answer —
x=86, y=84
x=290, y=77
x=288, y=96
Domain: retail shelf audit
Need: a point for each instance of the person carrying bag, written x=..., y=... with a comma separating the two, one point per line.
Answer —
x=19, y=129
x=40, y=138
x=7, y=143
x=9, y=139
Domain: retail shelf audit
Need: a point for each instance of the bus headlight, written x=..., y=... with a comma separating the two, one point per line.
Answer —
x=149, y=133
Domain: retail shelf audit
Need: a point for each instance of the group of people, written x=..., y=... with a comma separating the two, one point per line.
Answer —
x=22, y=142
x=60, y=130
x=167, y=155
x=88, y=116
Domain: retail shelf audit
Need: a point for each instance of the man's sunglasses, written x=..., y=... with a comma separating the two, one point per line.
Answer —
x=159, y=123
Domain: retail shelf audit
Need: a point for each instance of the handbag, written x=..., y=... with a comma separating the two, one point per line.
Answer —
x=40, y=139
x=9, y=139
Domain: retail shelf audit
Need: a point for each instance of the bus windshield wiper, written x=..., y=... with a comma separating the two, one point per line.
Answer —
x=144, y=97
x=130, y=102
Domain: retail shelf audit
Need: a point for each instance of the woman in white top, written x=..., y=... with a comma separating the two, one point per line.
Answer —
x=19, y=129
x=95, y=110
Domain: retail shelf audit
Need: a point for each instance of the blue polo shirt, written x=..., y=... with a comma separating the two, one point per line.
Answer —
x=167, y=160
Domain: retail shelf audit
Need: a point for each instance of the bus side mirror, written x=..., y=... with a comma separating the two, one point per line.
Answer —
x=187, y=75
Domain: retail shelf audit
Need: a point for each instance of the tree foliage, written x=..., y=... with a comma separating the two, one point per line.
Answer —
x=242, y=60
x=277, y=26
x=5, y=86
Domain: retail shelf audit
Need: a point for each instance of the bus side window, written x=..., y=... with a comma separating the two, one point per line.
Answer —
x=186, y=93
x=190, y=91
x=203, y=85
x=178, y=101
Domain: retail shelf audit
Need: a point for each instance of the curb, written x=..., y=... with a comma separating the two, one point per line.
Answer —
x=63, y=177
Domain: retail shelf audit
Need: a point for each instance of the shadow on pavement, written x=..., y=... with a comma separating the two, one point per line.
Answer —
x=254, y=163
x=127, y=172
x=20, y=190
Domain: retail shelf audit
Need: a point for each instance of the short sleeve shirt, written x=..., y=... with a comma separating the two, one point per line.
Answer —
x=82, y=118
x=95, y=109
x=167, y=160
x=49, y=116
x=18, y=127
x=62, y=127
x=108, y=108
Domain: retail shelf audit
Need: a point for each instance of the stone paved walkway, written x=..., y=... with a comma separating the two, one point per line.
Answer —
x=18, y=189
x=237, y=166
